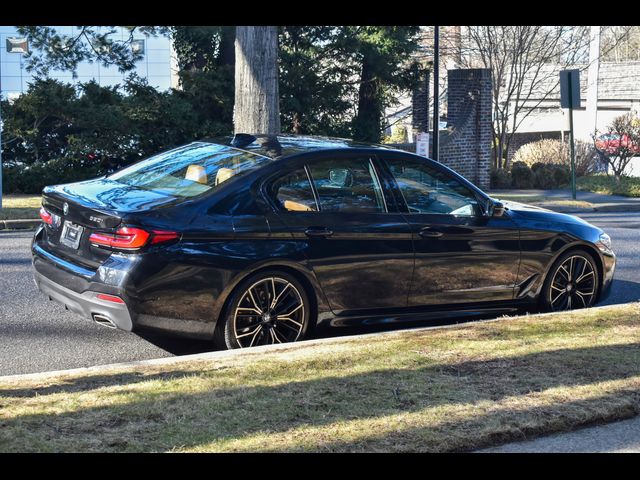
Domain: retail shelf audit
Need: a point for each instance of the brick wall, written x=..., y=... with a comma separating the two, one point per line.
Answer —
x=466, y=146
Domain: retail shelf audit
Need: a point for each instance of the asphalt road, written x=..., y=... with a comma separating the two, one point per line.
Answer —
x=38, y=335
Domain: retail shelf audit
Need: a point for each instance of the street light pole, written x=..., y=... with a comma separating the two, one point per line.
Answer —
x=436, y=93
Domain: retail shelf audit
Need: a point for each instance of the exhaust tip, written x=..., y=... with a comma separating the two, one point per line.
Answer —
x=104, y=321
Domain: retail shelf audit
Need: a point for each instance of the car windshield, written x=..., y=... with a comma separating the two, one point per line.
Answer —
x=189, y=170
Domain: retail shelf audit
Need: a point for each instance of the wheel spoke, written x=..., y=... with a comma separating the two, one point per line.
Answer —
x=559, y=295
x=249, y=333
x=255, y=304
x=583, y=277
x=292, y=311
x=287, y=319
x=253, y=339
x=277, y=299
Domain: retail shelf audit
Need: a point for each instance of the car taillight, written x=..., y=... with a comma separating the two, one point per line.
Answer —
x=46, y=216
x=109, y=298
x=131, y=238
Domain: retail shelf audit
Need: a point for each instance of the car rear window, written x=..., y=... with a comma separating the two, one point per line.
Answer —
x=189, y=170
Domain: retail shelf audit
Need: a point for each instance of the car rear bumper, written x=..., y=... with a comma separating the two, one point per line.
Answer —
x=77, y=288
x=87, y=304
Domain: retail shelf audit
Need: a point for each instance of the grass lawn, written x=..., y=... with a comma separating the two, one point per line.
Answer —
x=545, y=202
x=16, y=207
x=628, y=186
x=454, y=389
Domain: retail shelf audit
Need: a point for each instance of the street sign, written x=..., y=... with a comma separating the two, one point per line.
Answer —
x=570, y=88
x=422, y=144
x=570, y=98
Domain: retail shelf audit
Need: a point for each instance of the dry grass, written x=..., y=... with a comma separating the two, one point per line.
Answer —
x=442, y=390
x=546, y=202
x=17, y=207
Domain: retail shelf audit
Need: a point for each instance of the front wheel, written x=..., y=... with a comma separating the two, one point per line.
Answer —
x=267, y=308
x=572, y=282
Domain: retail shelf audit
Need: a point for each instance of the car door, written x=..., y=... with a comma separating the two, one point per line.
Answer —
x=357, y=243
x=462, y=255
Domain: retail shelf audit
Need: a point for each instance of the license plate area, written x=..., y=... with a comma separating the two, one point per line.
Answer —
x=71, y=235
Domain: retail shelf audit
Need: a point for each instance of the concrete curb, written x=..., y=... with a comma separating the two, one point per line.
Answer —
x=256, y=350
x=23, y=224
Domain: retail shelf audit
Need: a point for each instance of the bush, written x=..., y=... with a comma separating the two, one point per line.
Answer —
x=556, y=152
x=521, y=175
x=33, y=178
x=550, y=175
x=500, y=178
x=542, y=151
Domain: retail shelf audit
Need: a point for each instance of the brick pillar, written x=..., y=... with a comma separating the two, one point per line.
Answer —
x=467, y=146
x=420, y=106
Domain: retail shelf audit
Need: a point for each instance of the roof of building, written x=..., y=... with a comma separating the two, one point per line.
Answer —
x=276, y=146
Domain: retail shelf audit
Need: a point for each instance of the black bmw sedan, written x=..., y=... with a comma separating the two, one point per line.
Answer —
x=253, y=240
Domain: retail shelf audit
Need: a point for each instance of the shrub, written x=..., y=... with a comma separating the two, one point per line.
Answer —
x=521, y=175
x=550, y=175
x=500, y=178
x=550, y=151
x=33, y=178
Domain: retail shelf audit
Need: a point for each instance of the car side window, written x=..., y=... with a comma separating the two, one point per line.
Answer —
x=428, y=190
x=347, y=185
x=293, y=192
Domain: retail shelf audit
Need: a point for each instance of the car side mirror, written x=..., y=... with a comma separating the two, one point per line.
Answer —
x=496, y=209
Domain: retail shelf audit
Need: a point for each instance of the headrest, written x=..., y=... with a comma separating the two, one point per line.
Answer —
x=196, y=173
x=341, y=177
x=223, y=175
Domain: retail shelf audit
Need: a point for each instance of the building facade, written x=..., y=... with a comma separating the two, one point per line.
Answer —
x=157, y=65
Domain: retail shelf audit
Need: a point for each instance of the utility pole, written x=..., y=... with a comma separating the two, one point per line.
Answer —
x=436, y=93
x=592, y=84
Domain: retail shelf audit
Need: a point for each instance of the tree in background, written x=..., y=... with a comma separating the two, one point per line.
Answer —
x=382, y=54
x=52, y=50
x=206, y=59
x=621, y=144
x=524, y=63
x=316, y=81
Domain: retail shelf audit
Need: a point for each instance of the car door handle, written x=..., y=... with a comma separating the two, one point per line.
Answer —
x=318, y=232
x=430, y=233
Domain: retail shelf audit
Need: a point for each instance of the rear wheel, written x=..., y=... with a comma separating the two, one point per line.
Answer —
x=267, y=308
x=572, y=282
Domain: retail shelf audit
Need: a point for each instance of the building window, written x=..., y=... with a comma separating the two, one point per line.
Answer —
x=17, y=45
x=137, y=46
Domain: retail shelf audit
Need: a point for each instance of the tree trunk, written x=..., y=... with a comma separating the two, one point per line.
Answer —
x=256, y=108
x=368, y=122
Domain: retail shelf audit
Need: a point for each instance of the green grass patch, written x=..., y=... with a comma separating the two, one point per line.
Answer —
x=17, y=207
x=545, y=202
x=453, y=389
x=627, y=187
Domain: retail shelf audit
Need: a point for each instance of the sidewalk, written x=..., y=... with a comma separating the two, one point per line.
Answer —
x=561, y=201
x=618, y=437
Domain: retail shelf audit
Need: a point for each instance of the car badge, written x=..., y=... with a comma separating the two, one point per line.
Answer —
x=65, y=208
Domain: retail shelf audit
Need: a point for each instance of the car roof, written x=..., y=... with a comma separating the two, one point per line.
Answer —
x=280, y=146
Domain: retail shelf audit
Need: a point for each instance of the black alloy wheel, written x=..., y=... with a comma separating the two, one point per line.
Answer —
x=268, y=308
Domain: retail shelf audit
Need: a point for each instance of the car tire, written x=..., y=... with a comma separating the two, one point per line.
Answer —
x=572, y=282
x=258, y=315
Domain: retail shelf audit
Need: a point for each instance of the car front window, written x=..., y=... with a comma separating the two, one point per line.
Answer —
x=427, y=190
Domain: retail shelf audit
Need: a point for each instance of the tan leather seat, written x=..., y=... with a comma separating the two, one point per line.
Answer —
x=296, y=206
x=223, y=175
x=196, y=173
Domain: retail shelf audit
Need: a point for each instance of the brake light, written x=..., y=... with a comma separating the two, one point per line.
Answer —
x=46, y=216
x=161, y=236
x=131, y=238
x=110, y=298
